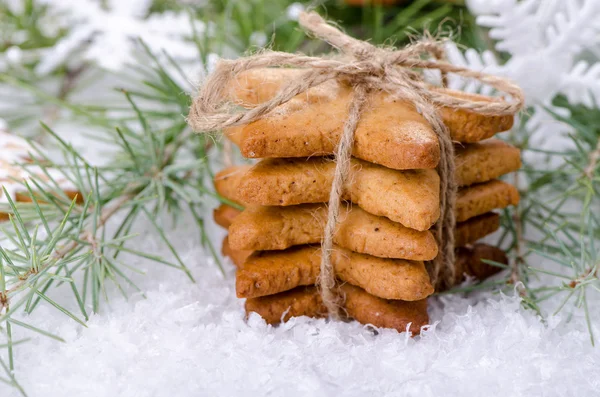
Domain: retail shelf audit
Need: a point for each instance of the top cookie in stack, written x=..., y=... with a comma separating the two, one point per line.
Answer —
x=381, y=241
x=390, y=133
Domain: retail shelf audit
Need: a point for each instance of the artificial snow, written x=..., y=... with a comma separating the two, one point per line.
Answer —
x=189, y=339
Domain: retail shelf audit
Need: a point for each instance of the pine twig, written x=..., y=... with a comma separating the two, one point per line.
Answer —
x=105, y=215
x=59, y=254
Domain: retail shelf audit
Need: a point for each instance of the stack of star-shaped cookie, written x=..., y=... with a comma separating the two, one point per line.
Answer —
x=392, y=201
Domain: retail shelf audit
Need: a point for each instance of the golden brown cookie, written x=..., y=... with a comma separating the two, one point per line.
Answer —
x=238, y=257
x=390, y=132
x=300, y=181
x=470, y=127
x=469, y=261
x=466, y=233
x=302, y=301
x=224, y=215
x=484, y=161
x=399, y=315
x=471, y=230
x=227, y=182
x=363, y=307
x=409, y=197
x=481, y=198
x=311, y=123
x=250, y=88
x=270, y=272
x=470, y=264
x=277, y=228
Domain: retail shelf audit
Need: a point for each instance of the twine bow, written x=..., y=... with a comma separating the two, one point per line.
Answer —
x=368, y=69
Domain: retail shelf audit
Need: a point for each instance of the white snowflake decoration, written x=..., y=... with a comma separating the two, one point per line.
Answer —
x=106, y=34
x=545, y=40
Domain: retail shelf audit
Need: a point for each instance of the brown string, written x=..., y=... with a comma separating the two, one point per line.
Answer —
x=367, y=68
x=343, y=154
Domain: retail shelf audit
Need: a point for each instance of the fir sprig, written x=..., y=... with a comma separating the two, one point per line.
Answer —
x=54, y=240
x=555, y=223
x=568, y=239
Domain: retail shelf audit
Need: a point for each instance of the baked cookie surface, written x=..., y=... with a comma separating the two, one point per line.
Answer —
x=277, y=228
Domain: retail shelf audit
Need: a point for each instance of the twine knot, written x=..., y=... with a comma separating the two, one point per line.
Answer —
x=366, y=68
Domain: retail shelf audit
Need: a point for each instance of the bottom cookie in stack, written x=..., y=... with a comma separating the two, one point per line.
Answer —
x=358, y=305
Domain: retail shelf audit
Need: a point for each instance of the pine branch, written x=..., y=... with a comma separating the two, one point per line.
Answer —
x=88, y=235
x=147, y=177
x=85, y=236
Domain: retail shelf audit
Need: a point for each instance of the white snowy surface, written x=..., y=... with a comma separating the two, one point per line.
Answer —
x=190, y=339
